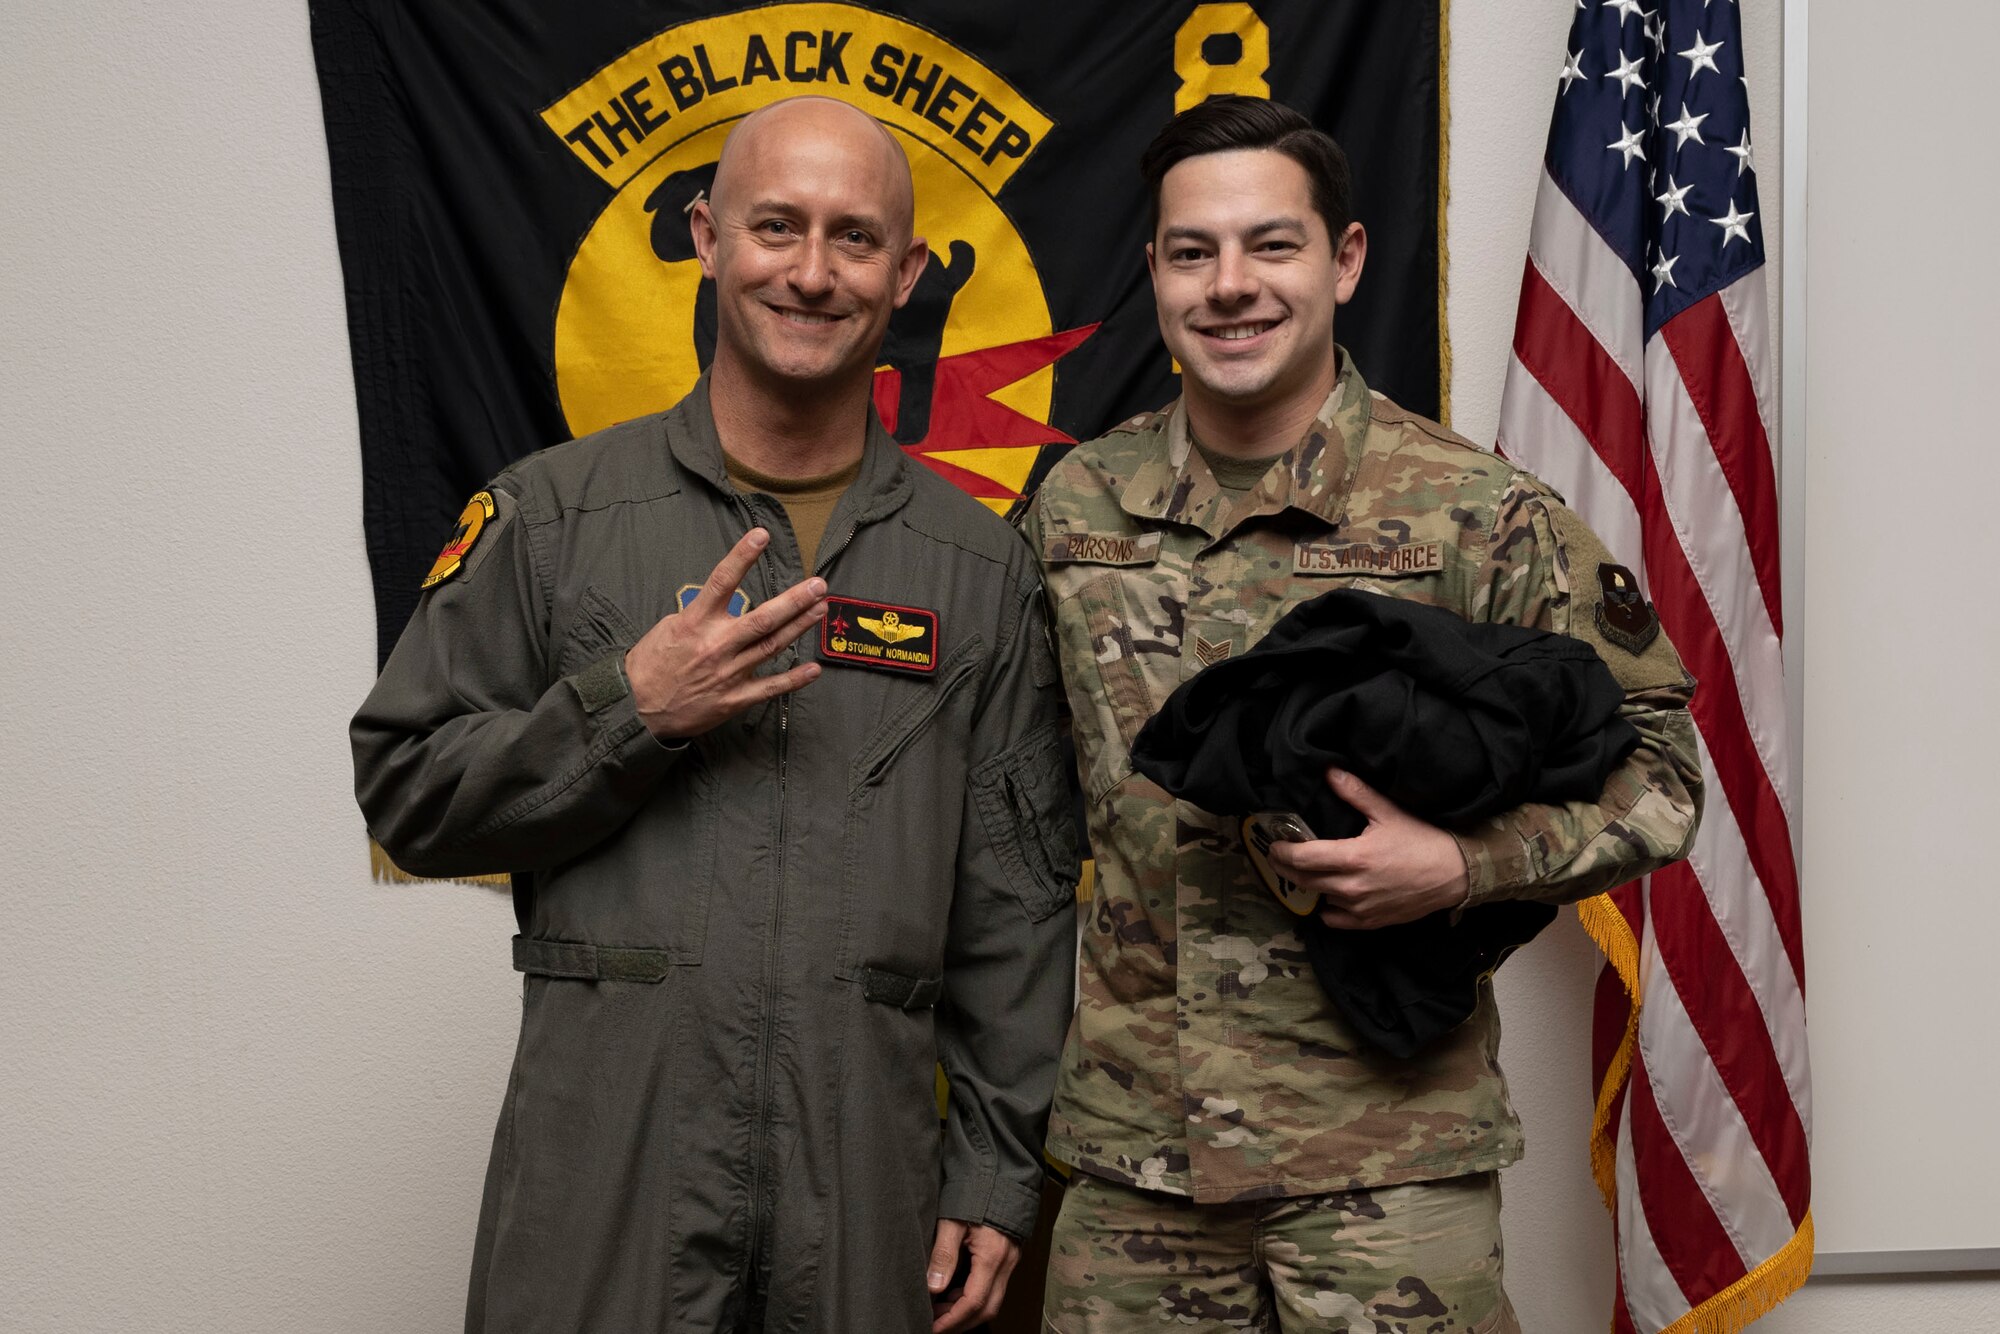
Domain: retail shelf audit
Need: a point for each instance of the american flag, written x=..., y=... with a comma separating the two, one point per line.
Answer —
x=1641, y=386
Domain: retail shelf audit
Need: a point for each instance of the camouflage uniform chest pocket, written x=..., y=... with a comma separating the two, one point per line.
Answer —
x=1024, y=801
x=1122, y=644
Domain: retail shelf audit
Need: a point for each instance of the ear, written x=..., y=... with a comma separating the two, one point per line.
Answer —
x=910, y=268
x=701, y=224
x=1152, y=265
x=1348, y=260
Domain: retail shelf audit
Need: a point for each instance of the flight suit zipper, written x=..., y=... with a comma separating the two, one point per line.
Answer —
x=760, y=1134
x=767, y=1036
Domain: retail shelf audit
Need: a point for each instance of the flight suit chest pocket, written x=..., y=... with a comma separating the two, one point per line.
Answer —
x=1123, y=636
x=902, y=806
x=905, y=727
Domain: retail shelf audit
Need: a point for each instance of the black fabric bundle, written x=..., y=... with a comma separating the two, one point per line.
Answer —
x=1452, y=721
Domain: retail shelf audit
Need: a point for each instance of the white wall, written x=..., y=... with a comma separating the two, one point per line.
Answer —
x=1901, y=714
x=242, y=1089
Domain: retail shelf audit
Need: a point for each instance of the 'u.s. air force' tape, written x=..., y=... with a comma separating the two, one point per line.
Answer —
x=1260, y=831
x=888, y=638
x=738, y=604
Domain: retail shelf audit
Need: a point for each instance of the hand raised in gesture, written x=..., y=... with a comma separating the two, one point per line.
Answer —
x=697, y=667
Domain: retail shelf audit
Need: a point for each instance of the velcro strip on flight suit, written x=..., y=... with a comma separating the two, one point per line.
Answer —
x=591, y=963
x=603, y=683
x=910, y=993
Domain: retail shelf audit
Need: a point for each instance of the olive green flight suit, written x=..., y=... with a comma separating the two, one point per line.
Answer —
x=744, y=955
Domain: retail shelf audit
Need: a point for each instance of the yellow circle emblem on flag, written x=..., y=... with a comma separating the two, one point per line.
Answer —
x=635, y=324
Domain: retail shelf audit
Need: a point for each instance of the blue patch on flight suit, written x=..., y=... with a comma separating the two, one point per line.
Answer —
x=738, y=604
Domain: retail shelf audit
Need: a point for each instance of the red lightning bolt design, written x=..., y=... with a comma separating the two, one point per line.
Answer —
x=964, y=417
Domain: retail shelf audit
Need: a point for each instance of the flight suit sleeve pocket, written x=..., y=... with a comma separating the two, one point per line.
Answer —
x=1024, y=802
x=597, y=628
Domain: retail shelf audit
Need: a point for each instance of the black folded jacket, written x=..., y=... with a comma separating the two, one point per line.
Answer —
x=1452, y=721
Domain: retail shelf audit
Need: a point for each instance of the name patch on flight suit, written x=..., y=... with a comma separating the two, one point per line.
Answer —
x=879, y=635
x=738, y=603
x=1382, y=559
x=1101, y=549
x=472, y=522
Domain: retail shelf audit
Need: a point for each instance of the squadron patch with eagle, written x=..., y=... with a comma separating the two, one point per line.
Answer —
x=888, y=638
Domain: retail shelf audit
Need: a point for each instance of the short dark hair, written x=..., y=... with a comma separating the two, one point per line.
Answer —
x=1229, y=122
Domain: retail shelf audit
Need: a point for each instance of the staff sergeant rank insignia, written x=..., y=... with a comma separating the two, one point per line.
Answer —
x=878, y=635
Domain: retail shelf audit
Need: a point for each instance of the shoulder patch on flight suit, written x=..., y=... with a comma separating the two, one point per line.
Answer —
x=1101, y=549
x=1607, y=608
x=473, y=521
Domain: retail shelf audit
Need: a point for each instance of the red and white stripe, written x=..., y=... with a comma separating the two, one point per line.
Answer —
x=1664, y=446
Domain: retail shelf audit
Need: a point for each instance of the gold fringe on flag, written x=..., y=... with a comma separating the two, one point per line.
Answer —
x=1758, y=1292
x=1607, y=926
x=386, y=872
x=1444, y=199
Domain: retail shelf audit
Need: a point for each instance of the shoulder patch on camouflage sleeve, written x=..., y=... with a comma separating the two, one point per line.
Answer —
x=1608, y=610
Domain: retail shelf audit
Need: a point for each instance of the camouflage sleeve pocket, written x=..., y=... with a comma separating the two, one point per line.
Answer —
x=1024, y=802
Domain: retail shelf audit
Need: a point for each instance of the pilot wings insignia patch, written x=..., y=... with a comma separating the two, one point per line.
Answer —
x=874, y=634
x=890, y=628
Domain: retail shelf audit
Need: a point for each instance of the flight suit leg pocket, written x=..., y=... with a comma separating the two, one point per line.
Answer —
x=1025, y=805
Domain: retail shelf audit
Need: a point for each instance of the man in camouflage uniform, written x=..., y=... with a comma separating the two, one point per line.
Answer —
x=1243, y=1159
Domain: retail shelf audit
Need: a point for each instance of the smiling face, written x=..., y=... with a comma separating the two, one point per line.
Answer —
x=1246, y=280
x=808, y=241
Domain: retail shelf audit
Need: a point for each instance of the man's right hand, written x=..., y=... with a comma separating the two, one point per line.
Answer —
x=696, y=668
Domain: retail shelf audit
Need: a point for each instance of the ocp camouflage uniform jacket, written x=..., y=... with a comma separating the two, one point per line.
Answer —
x=1204, y=1058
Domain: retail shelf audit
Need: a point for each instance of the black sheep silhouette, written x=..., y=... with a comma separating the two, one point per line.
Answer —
x=674, y=244
x=916, y=332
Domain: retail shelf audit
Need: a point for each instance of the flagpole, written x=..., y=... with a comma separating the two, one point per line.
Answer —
x=1792, y=401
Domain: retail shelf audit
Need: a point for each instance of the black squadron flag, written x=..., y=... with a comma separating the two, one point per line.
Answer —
x=511, y=183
